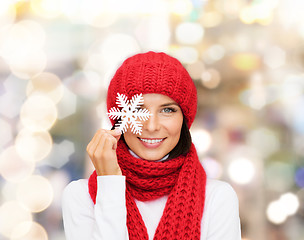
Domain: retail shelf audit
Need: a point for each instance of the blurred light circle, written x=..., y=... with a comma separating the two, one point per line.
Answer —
x=35, y=193
x=291, y=89
x=7, y=13
x=201, y=139
x=245, y=61
x=27, y=66
x=264, y=140
x=279, y=176
x=14, y=41
x=195, y=69
x=46, y=8
x=47, y=84
x=112, y=50
x=117, y=47
x=72, y=9
x=214, y=53
x=38, y=113
x=12, y=167
x=187, y=55
x=154, y=33
x=181, y=7
x=211, y=19
x=98, y=13
x=6, y=132
x=37, y=33
x=12, y=213
x=21, y=40
x=29, y=231
x=274, y=57
x=241, y=171
x=275, y=214
x=33, y=146
x=290, y=203
x=189, y=33
x=211, y=78
x=247, y=15
x=260, y=13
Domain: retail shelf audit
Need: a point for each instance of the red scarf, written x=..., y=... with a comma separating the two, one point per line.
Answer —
x=182, y=178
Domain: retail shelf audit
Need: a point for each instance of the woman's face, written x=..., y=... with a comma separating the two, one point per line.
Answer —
x=161, y=132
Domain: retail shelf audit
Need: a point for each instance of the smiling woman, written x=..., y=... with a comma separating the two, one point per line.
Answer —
x=150, y=184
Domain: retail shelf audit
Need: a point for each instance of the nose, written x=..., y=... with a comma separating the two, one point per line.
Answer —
x=152, y=124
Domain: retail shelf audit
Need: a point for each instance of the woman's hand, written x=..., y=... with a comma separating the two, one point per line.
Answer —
x=102, y=151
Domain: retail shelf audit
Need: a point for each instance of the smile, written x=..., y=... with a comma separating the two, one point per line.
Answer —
x=152, y=140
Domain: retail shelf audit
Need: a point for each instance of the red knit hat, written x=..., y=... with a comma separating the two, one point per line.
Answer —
x=154, y=73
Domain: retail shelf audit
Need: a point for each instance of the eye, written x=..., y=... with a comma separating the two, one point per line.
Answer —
x=168, y=110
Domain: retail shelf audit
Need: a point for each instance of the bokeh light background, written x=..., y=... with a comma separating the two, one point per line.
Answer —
x=247, y=61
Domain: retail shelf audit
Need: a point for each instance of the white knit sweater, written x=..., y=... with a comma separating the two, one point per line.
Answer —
x=106, y=220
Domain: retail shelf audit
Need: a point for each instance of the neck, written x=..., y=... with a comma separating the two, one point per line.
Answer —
x=160, y=160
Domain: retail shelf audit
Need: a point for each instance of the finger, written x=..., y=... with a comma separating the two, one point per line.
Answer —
x=99, y=149
x=95, y=142
x=115, y=133
x=110, y=144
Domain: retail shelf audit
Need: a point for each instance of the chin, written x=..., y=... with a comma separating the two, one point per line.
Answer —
x=151, y=157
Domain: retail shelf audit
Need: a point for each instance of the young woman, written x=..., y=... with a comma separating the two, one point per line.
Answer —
x=150, y=185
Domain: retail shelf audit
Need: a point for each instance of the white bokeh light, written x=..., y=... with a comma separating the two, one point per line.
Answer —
x=189, y=33
x=33, y=146
x=201, y=139
x=241, y=171
x=278, y=210
x=290, y=203
x=12, y=167
x=35, y=193
x=12, y=213
x=275, y=214
x=46, y=84
x=187, y=55
x=38, y=113
x=29, y=230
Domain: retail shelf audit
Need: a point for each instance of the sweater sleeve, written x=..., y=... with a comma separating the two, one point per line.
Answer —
x=224, y=221
x=104, y=220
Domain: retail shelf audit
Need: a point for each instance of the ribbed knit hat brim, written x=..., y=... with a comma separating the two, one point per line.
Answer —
x=153, y=72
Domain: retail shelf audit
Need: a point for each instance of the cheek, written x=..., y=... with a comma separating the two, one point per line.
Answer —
x=175, y=126
x=129, y=138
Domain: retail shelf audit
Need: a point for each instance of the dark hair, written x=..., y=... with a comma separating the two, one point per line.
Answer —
x=183, y=145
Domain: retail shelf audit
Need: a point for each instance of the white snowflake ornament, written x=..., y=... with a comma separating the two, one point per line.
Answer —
x=130, y=113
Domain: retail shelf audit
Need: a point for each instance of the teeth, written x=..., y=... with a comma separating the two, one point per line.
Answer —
x=151, y=141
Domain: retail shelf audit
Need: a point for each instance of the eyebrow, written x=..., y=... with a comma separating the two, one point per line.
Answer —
x=165, y=105
x=168, y=104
